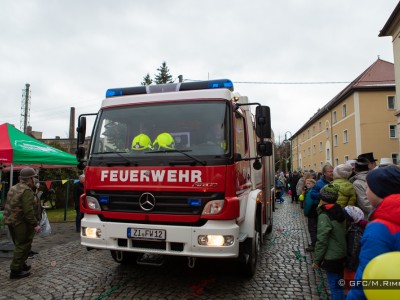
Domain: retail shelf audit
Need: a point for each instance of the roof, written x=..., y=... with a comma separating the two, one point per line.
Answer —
x=378, y=76
x=393, y=19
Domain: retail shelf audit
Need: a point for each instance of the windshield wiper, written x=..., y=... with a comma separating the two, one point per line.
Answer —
x=127, y=162
x=202, y=162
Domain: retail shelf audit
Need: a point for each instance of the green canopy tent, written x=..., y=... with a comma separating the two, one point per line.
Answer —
x=19, y=149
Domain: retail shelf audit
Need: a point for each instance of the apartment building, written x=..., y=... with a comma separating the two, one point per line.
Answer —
x=361, y=118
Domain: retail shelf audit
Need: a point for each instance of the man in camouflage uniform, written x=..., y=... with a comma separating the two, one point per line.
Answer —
x=19, y=215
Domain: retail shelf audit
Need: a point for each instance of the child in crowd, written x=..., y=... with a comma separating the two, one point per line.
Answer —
x=382, y=235
x=310, y=211
x=347, y=193
x=355, y=218
x=330, y=249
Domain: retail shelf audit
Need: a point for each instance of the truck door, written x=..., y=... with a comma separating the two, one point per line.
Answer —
x=242, y=167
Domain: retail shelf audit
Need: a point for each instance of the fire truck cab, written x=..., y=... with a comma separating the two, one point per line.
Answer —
x=181, y=169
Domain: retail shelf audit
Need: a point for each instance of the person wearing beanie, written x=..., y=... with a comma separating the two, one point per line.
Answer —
x=330, y=249
x=326, y=178
x=382, y=234
x=359, y=182
x=347, y=193
x=310, y=211
x=357, y=223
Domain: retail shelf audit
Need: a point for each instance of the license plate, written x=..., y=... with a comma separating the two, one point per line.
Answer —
x=147, y=234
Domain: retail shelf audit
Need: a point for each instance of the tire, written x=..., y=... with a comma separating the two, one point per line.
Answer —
x=251, y=249
x=124, y=257
x=269, y=229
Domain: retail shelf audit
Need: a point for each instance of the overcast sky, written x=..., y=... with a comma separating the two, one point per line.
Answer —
x=72, y=51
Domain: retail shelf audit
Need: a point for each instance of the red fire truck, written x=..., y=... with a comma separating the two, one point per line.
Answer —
x=182, y=169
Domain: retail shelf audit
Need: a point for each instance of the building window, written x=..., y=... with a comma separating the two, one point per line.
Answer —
x=346, y=158
x=393, y=131
x=336, y=161
x=319, y=126
x=313, y=130
x=320, y=146
x=344, y=110
x=328, y=154
x=334, y=117
x=309, y=151
x=321, y=164
x=345, y=137
x=395, y=157
x=314, y=149
x=335, y=140
x=391, y=102
x=327, y=132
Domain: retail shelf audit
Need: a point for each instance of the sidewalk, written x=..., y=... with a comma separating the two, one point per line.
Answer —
x=61, y=233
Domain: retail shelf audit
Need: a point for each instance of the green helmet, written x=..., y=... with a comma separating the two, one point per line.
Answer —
x=165, y=140
x=141, y=142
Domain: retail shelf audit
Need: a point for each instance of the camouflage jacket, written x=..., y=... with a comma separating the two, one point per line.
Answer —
x=19, y=206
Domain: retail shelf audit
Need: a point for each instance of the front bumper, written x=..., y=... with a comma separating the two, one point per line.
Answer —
x=180, y=240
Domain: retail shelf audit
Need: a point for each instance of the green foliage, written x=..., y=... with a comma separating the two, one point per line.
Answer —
x=147, y=80
x=162, y=77
x=57, y=215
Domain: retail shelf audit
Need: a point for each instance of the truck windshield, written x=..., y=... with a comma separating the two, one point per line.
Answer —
x=197, y=128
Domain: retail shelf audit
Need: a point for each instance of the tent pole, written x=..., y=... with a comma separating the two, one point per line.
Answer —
x=66, y=203
x=11, y=175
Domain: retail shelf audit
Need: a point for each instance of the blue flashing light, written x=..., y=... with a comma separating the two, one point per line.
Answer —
x=113, y=93
x=162, y=88
x=126, y=91
x=194, y=202
x=221, y=83
x=104, y=199
x=205, y=85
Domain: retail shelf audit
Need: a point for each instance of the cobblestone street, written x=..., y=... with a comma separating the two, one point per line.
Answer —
x=66, y=270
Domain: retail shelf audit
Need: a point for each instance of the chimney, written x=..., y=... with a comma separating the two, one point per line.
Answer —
x=72, y=124
x=71, y=129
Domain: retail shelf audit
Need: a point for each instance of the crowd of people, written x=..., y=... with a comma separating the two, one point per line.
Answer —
x=352, y=213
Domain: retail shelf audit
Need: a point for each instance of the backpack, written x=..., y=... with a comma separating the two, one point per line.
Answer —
x=353, y=238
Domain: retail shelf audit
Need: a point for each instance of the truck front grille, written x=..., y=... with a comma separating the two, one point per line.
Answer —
x=165, y=202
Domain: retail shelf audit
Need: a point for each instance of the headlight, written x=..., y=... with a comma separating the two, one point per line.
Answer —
x=92, y=203
x=91, y=232
x=215, y=240
x=213, y=207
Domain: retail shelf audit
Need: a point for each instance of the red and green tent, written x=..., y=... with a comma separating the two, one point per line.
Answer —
x=19, y=149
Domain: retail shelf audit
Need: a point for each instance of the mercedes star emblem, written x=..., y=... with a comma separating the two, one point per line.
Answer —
x=147, y=201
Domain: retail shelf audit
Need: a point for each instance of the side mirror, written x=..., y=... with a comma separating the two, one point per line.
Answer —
x=81, y=130
x=80, y=153
x=263, y=122
x=264, y=148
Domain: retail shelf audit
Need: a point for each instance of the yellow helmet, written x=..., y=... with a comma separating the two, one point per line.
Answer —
x=165, y=140
x=141, y=142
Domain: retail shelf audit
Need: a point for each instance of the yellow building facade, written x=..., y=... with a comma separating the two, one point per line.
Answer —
x=360, y=119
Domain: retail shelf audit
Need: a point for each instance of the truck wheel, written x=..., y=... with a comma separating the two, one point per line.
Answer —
x=124, y=257
x=251, y=249
x=271, y=224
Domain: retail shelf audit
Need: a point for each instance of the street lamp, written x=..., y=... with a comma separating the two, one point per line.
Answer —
x=290, y=155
